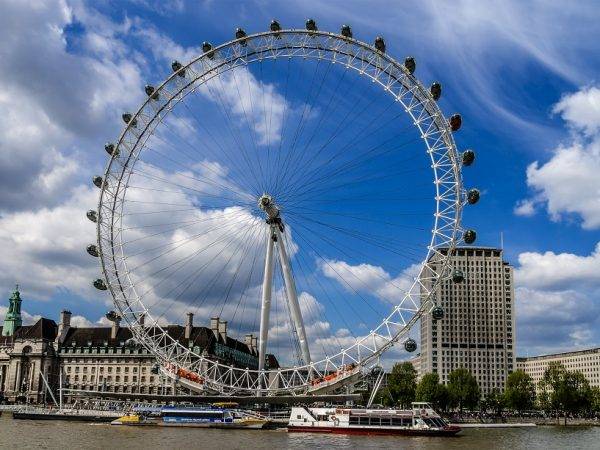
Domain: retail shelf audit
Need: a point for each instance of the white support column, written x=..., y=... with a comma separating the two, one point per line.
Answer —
x=266, y=300
x=292, y=296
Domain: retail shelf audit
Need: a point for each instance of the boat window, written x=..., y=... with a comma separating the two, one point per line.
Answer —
x=353, y=420
x=364, y=421
x=375, y=421
x=386, y=421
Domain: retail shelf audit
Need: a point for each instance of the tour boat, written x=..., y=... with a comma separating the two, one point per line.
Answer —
x=421, y=420
x=210, y=418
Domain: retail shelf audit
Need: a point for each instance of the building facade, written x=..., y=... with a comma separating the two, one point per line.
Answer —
x=33, y=358
x=477, y=331
x=585, y=361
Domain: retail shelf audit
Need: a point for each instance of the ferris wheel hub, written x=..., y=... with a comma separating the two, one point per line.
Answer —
x=267, y=204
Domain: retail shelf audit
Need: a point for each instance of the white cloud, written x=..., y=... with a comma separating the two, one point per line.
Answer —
x=525, y=208
x=373, y=280
x=551, y=270
x=568, y=184
x=581, y=110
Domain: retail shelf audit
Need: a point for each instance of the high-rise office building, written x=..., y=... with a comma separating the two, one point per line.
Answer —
x=477, y=331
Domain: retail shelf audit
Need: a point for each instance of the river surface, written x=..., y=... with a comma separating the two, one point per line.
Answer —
x=18, y=434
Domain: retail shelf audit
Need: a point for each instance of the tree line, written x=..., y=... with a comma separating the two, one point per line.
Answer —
x=562, y=392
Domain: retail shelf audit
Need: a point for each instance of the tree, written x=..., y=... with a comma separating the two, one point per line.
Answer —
x=595, y=400
x=463, y=389
x=570, y=390
x=401, y=384
x=430, y=390
x=495, y=401
x=520, y=391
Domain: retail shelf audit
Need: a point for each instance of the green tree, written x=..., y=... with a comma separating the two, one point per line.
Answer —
x=520, y=391
x=570, y=391
x=494, y=401
x=595, y=400
x=401, y=384
x=463, y=389
x=430, y=390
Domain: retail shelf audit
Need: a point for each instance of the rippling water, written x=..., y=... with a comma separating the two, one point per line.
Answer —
x=56, y=434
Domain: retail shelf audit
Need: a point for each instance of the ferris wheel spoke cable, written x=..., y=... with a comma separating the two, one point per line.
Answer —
x=231, y=161
x=180, y=150
x=353, y=141
x=187, y=239
x=237, y=139
x=295, y=157
x=299, y=162
x=201, y=269
x=377, y=313
x=194, y=276
x=349, y=165
x=363, y=237
x=166, y=252
x=289, y=147
x=188, y=167
x=282, y=171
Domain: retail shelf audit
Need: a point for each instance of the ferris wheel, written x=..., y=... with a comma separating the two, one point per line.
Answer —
x=302, y=185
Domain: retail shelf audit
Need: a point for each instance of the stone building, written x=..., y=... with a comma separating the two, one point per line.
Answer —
x=101, y=359
x=585, y=361
x=477, y=331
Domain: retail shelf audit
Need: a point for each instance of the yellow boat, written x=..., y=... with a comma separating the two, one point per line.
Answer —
x=133, y=419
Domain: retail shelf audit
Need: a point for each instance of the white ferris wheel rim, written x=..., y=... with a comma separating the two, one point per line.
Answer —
x=353, y=54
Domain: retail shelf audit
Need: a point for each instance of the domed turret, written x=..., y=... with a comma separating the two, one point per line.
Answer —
x=100, y=285
x=240, y=34
x=91, y=214
x=458, y=276
x=436, y=90
x=469, y=236
x=151, y=92
x=380, y=44
x=468, y=157
x=472, y=196
x=455, y=122
x=410, y=345
x=437, y=313
x=410, y=64
x=346, y=31
x=311, y=25
x=178, y=68
x=97, y=180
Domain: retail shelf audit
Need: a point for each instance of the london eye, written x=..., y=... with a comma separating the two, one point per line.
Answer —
x=302, y=184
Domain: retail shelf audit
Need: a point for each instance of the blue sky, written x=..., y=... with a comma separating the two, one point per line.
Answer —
x=522, y=74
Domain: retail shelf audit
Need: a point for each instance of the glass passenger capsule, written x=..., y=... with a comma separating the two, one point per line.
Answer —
x=468, y=157
x=436, y=90
x=410, y=64
x=437, y=313
x=100, y=285
x=469, y=236
x=380, y=44
x=455, y=122
x=410, y=345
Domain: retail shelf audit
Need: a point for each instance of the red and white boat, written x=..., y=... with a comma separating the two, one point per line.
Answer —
x=421, y=420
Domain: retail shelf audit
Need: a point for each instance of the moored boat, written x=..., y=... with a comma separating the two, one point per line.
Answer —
x=421, y=420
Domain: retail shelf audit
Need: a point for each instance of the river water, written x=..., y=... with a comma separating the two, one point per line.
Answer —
x=17, y=434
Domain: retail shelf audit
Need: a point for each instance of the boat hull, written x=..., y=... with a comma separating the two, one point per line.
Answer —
x=446, y=432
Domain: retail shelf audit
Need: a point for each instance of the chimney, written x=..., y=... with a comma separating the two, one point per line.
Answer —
x=255, y=344
x=214, y=326
x=114, y=328
x=189, y=325
x=223, y=330
x=142, y=319
x=63, y=326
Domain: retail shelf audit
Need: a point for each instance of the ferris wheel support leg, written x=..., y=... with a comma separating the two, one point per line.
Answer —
x=266, y=302
x=292, y=297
